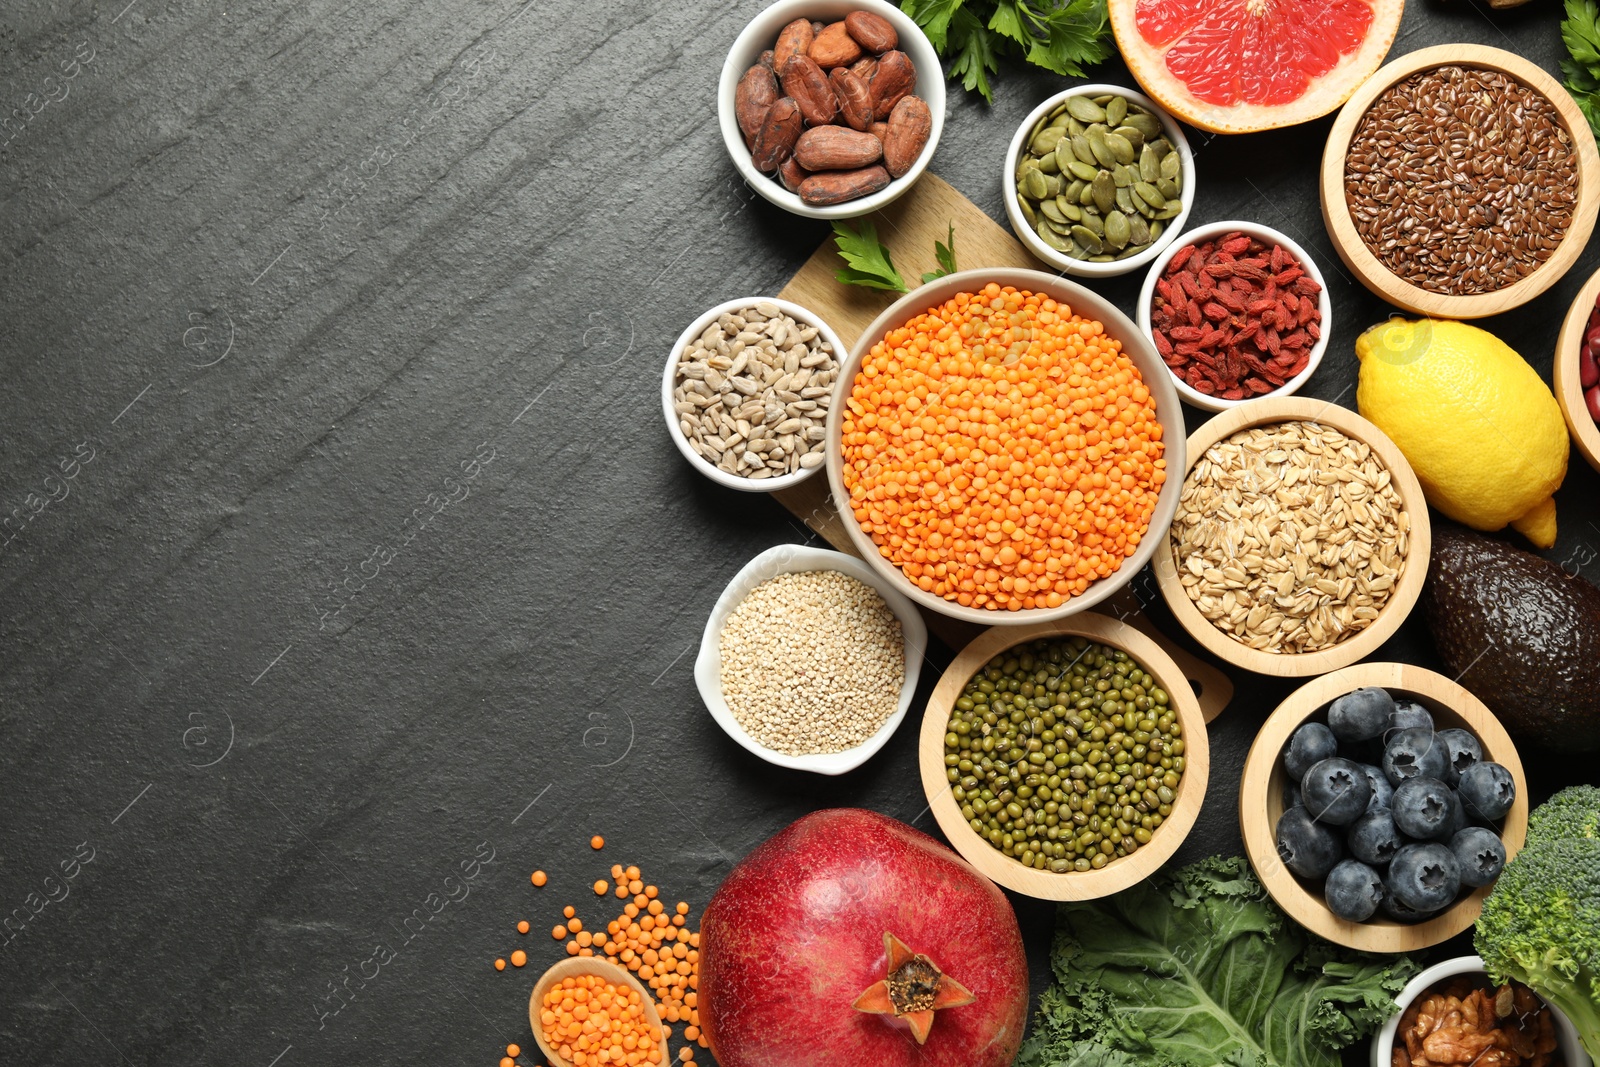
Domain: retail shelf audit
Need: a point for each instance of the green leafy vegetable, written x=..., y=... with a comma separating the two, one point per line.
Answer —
x=1541, y=923
x=946, y=255
x=1580, y=30
x=1197, y=967
x=1063, y=36
x=867, y=260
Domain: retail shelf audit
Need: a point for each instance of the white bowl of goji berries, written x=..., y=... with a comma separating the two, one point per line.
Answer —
x=1217, y=305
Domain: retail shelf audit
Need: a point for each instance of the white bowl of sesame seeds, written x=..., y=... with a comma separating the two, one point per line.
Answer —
x=814, y=662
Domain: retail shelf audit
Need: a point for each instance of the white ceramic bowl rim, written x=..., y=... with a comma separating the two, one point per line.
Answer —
x=760, y=34
x=1264, y=233
x=786, y=559
x=1383, y=1041
x=669, y=380
x=1079, y=267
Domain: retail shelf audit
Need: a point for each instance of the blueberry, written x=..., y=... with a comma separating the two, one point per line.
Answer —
x=1306, y=847
x=1461, y=751
x=1353, y=891
x=1413, y=753
x=1373, y=838
x=1382, y=791
x=1309, y=744
x=1480, y=854
x=1335, y=791
x=1291, y=794
x=1458, y=818
x=1424, y=877
x=1487, y=791
x=1399, y=912
x=1426, y=809
x=1361, y=715
x=1409, y=715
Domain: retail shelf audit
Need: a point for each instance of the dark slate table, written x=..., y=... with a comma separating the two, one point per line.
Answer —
x=350, y=574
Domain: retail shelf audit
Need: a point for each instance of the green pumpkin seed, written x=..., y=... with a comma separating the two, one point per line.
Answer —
x=1074, y=187
x=1059, y=122
x=1145, y=123
x=1063, y=228
x=1171, y=166
x=1105, y=192
x=1038, y=128
x=1156, y=229
x=1102, y=151
x=1026, y=164
x=1102, y=258
x=1093, y=222
x=1080, y=169
x=1052, y=238
x=1138, y=230
x=1073, y=212
x=1141, y=207
x=1085, y=237
x=1044, y=141
x=1052, y=212
x=1131, y=251
x=1048, y=164
x=1117, y=230
x=1125, y=201
x=1162, y=146
x=1124, y=176
x=1149, y=194
x=1034, y=185
x=1168, y=189
x=1116, y=109
x=1074, y=127
x=1171, y=211
x=1028, y=212
x=1085, y=110
x=1103, y=99
x=1131, y=135
x=1081, y=150
x=1086, y=198
x=1053, y=184
x=1121, y=147
x=1149, y=163
x=1057, y=111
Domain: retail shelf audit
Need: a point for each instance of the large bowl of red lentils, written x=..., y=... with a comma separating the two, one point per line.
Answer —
x=999, y=445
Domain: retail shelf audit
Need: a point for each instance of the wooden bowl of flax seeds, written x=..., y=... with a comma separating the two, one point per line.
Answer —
x=1460, y=181
x=1301, y=538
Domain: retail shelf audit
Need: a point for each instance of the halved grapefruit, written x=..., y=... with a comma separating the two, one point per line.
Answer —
x=1237, y=66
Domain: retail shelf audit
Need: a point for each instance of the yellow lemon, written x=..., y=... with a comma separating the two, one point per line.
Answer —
x=1476, y=423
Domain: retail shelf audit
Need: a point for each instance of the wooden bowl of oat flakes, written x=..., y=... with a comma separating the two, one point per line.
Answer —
x=1301, y=538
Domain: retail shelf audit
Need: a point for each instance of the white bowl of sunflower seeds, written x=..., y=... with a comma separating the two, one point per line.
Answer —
x=746, y=392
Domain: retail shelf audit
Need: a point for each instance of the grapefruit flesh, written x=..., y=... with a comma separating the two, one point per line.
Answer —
x=1235, y=66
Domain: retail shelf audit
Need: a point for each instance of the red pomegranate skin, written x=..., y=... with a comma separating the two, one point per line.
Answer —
x=795, y=935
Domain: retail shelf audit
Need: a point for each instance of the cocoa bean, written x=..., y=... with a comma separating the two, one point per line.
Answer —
x=793, y=40
x=855, y=98
x=880, y=130
x=765, y=59
x=872, y=31
x=894, y=78
x=863, y=67
x=791, y=174
x=757, y=92
x=834, y=47
x=837, y=148
x=804, y=82
x=837, y=186
x=910, y=125
x=774, y=141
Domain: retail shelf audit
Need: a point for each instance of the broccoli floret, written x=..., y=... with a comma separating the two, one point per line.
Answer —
x=1541, y=926
x=1573, y=812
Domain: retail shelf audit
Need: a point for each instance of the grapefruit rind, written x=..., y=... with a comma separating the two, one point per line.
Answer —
x=1325, y=93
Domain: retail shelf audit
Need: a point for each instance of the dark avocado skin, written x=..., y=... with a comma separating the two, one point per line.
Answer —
x=1520, y=633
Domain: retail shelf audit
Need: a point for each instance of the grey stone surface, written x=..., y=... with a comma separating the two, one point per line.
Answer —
x=346, y=545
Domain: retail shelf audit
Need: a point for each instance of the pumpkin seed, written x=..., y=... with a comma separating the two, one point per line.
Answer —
x=1103, y=99
x=1063, y=228
x=1052, y=211
x=1080, y=169
x=1124, y=176
x=1044, y=141
x=1145, y=123
x=1072, y=211
x=1074, y=127
x=1102, y=258
x=1057, y=111
x=1170, y=211
x=1168, y=189
x=1086, y=198
x=1052, y=238
x=1028, y=212
x=1149, y=194
x=1059, y=122
x=1027, y=163
x=1171, y=165
x=1048, y=164
x=1141, y=207
x=1087, y=238
x=1116, y=110
x=1130, y=251
x=1105, y=192
x=1082, y=149
x=1121, y=148
x=1156, y=229
x=1138, y=230
x=1131, y=135
x=1093, y=221
x=1035, y=186
x=1085, y=110
x=1149, y=163
x=1125, y=200
x=1117, y=230
x=1053, y=184
x=1101, y=149
x=1074, y=187
x=1038, y=128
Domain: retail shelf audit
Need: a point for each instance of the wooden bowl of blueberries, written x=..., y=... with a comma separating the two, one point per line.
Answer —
x=1379, y=803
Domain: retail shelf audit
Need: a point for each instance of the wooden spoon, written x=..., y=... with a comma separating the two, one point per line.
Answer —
x=573, y=968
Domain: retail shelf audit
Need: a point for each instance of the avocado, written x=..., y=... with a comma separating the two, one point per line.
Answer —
x=1520, y=633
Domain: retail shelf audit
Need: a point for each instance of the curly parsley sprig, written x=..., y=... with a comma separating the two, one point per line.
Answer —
x=1063, y=36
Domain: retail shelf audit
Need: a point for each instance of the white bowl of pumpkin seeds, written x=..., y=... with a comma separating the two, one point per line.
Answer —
x=1098, y=180
x=746, y=393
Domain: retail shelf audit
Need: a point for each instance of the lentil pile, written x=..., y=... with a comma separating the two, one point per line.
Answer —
x=1000, y=450
x=1290, y=537
x=589, y=1021
x=812, y=662
x=1064, y=754
x=1461, y=180
x=752, y=393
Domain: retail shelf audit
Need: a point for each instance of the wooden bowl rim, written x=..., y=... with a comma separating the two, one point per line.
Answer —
x=1366, y=266
x=1259, y=808
x=574, y=966
x=1118, y=874
x=1275, y=409
x=1075, y=294
x=1568, y=385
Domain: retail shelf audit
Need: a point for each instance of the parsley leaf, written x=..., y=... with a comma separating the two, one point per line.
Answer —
x=1063, y=36
x=946, y=255
x=867, y=261
x=1580, y=31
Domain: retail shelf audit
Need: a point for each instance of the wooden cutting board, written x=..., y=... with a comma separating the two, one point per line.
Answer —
x=909, y=227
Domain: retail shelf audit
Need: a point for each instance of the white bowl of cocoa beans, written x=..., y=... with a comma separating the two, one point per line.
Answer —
x=831, y=108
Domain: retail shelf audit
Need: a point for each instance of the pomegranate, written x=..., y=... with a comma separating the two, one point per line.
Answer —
x=850, y=938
